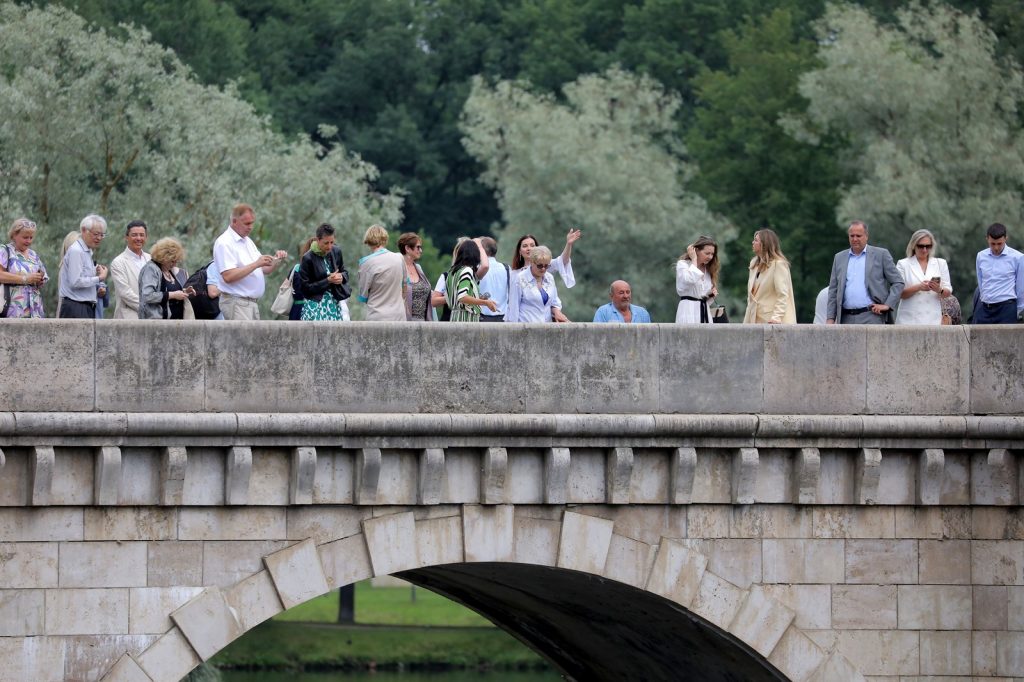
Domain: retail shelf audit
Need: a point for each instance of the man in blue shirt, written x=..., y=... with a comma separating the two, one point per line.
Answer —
x=621, y=308
x=865, y=285
x=1000, y=280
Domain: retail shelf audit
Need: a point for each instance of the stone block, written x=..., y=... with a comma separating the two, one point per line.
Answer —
x=302, y=475
x=297, y=573
x=677, y=572
x=28, y=564
x=796, y=655
x=647, y=523
x=103, y=564
x=43, y=524
x=254, y=600
x=934, y=607
x=439, y=541
x=738, y=561
x=21, y=613
x=997, y=562
x=931, y=523
x=991, y=607
x=431, y=476
x=556, y=475
x=88, y=658
x=718, y=600
x=761, y=621
x=997, y=362
x=39, y=659
x=584, y=543
x=149, y=608
x=821, y=370
x=881, y=652
x=946, y=653
x=945, y=562
x=864, y=607
x=42, y=462
x=682, y=469
x=902, y=387
x=131, y=523
x=367, y=470
x=237, y=475
x=227, y=562
x=495, y=473
x=619, y=473
x=270, y=476
x=812, y=604
x=87, y=612
x=706, y=353
x=126, y=670
x=488, y=532
x=57, y=355
x=127, y=369
x=168, y=659
x=205, y=477
x=346, y=561
x=74, y=469
x=745, y=467
x=251, y=523
x=770, y=521
x=1015, y=607
x=208, y=622
x=705, y=521
x=1009, y=653
x=854, y=522
x=536, y=541
x=836, y=668
x=335, y=478
x=984, y=657
x=171, y=564
x=713, y=476
x=325, y=524
x=629, y=561
x=881, y=561
x=391, y=541
x=997, y=523
x=614, y=379
x=803, y=561
x=807, y=475
x=867, y=476
x=107, y=478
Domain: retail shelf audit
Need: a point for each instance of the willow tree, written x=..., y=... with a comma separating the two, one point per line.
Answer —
x=605, y=158
x=118, y=126
x=932, y=118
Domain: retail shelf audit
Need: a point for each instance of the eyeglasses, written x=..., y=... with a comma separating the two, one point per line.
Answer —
x=925, y=246
x=418, y=247
x=26, y=225
x=542, y=266
x=100, y=235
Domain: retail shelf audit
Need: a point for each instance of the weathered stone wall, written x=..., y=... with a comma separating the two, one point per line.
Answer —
x=130, y=366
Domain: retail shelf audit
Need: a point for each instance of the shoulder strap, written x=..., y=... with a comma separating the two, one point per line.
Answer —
x=508, y=276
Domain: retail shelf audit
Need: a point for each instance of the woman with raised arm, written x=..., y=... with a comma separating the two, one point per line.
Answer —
x=697, y=281
x=532, y=295
x=769, y=284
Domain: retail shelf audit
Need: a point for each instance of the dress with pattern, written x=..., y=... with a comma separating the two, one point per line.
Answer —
x=26, y=301
x=465, y=285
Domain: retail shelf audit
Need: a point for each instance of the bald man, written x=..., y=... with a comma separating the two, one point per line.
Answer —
x=621, y=308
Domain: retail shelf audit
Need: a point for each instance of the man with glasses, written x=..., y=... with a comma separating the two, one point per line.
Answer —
x=1000, y=271
x=865, y=285
x=81, y=276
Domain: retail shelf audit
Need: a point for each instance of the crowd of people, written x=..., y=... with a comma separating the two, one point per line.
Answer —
x=865, y=287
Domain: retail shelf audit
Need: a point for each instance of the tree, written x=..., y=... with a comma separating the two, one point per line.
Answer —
x=93, y=123
x=751, y=170
x=931, y=115
x=607, y=160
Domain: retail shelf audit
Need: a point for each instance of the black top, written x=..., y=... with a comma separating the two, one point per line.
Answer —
x=314, y=270
x=176, y=309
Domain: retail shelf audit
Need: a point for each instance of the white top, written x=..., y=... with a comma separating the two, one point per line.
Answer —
x=124, y=270
x=496, y=283
x=691, y=281
x=232, y=251
x=924, y=307
x=525, y=303
x=821, y=307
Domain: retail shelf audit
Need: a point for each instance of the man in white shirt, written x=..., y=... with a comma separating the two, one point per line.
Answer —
x=242, y=267
x=124, y=270
x=495, y=283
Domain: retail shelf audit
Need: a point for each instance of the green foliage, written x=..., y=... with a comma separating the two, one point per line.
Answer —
x=932, y=118
x=751, y=170
x=91, y=122
x=389, y=606
x=608, y=161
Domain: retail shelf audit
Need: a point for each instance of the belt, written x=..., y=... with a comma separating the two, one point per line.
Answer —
x=91, y=304
x=993, y=305
x=244, y=298
x=703, y=309
x=856, y=311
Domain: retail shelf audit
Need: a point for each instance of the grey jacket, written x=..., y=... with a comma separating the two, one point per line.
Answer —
x=152, y=293
x=883, y=281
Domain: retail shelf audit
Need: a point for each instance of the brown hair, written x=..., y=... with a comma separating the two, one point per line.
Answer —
x=407, y=241
x=239, y=210
x=771, y=250
x=712, y=265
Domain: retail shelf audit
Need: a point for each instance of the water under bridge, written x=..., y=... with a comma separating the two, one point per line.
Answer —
x=634, y=502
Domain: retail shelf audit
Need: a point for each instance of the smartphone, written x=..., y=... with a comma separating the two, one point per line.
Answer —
x=935, y=279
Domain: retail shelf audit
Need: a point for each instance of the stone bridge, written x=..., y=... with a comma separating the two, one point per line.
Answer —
x=651, y=502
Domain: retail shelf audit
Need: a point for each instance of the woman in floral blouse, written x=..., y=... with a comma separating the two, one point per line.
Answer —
x=22, y=271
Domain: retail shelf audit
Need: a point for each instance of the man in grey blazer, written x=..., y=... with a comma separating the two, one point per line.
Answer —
x=865, y=285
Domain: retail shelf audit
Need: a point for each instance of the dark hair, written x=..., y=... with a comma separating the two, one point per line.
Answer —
x=466, y=256
x=712, y=266
x=518, y=262
x=324, y=230
x=407, y=241
x=996, y=231
x=135, y=223
x=490, y=246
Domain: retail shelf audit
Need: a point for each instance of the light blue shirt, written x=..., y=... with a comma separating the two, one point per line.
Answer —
x=1001, y=277
x=609, y=313
x=855, y=293
x=495, y=283
x=78, y=280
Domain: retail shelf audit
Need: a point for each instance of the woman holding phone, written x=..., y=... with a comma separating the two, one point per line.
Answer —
x=927, y=279
x=162, y=290
x=324, y=278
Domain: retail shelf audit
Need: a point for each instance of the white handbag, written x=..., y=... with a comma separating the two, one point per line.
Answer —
x=284, y=300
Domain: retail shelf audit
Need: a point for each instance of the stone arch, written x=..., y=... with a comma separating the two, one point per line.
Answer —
x=399, y=542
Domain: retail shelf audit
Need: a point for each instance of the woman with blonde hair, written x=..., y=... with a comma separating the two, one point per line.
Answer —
x=382, y=279
x=162, y=290
x=927, y=279
x=22, y=271
x=770, y=297
x=697, y=281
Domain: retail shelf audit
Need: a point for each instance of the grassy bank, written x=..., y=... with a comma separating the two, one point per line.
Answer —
x=392, y=630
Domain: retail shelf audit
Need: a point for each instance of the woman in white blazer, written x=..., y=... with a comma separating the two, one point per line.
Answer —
x=770, y=297
x=927, y=279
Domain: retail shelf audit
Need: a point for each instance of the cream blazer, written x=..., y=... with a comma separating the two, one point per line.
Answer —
x=773, y=301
